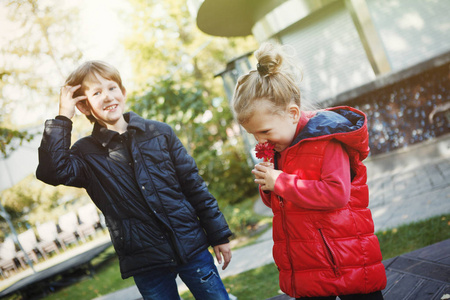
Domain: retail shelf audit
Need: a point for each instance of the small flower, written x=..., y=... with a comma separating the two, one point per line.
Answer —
x=265, y=151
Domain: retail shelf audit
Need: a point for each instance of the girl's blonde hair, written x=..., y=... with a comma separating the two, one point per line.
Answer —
x=275, y=80
x=87, y=73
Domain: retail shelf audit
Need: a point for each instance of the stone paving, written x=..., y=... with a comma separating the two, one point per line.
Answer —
x=410, y=185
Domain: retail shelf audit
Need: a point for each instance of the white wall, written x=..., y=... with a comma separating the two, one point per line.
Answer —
x=332, y=56
x=330, y=53
x=412, y=31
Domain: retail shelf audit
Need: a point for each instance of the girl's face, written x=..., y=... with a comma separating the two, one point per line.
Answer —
x=275, y=128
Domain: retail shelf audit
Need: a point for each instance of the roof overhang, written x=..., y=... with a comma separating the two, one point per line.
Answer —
x=231, y=18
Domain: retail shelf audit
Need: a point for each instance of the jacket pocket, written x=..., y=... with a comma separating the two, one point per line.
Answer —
x=117, y=238
x=329, y=252
x=141, y=235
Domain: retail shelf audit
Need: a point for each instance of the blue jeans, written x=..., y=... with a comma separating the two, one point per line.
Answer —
x=200, y=275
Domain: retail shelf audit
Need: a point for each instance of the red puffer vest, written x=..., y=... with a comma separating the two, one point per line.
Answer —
x=328, y=252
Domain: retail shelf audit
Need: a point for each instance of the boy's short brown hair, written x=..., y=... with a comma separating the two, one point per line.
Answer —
x=87, y=72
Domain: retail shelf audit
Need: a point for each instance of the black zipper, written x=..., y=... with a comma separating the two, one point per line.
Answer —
x=330, y=254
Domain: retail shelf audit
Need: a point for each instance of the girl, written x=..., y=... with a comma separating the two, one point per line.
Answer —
x=324, y=242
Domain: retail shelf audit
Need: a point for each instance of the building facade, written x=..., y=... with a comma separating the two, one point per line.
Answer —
x=390, y=58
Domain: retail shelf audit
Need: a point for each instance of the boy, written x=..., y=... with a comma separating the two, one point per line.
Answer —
x=160, y=215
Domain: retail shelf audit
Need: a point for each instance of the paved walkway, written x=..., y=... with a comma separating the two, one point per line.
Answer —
x=44, y=280
x=410, y=185
x=406, y=186
x=56, y=260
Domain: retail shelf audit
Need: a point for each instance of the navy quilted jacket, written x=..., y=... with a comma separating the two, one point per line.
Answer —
x=157, y=207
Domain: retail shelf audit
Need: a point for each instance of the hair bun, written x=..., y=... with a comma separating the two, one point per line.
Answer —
x=263, y=70
x=270, y=59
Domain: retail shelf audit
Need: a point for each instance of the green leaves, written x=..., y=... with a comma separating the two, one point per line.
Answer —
x=11, y=139
x=202, y=127
x=174, y=66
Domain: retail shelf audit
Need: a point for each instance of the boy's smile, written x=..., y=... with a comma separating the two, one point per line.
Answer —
x=106, y=102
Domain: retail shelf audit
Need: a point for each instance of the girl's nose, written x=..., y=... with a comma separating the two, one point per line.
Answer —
x=261, y=140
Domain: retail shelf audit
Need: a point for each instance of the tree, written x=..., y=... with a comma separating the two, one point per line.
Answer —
x=174, y=65
x=36, y=48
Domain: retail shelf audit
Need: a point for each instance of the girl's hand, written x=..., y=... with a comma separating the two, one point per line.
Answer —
x=266, y=175
x=67, y=103
x=264, y=164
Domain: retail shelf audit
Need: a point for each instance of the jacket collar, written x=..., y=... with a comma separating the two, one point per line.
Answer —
x=104, y=135
x=329, y=122
x=346, y=124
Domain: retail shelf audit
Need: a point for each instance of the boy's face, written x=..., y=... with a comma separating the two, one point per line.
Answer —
x=105, y=101
x=277, y=129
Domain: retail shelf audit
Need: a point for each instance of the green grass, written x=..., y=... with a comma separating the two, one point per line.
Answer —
x=241, y=218
x=260, y=283
x=105, y=280
x=406, y=238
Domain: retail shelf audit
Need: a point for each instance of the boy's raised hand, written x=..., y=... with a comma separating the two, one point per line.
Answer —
x=266, y=175
x=67, y=103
